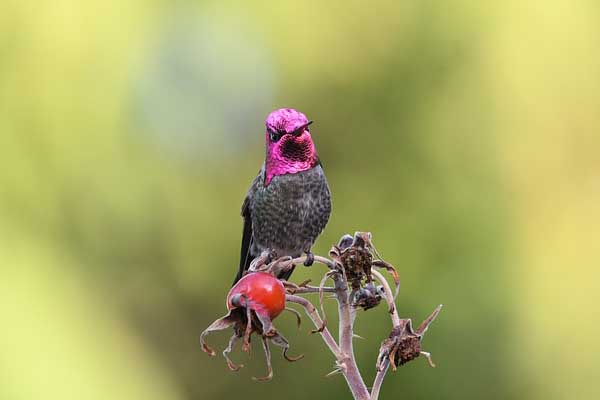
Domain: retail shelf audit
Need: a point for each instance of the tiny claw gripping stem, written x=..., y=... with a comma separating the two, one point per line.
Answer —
x=310, y=259
x=260, y=262
x=280, y=266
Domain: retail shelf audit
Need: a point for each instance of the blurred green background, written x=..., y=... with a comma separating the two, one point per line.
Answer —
x=463, y=134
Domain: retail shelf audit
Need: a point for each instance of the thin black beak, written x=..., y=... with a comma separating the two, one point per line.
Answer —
x=301, y=129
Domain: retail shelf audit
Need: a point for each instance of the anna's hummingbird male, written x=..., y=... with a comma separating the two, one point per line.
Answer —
x=288, y=203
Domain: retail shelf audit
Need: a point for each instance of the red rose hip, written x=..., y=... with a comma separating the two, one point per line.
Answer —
x=253, y=302
x=261, y=292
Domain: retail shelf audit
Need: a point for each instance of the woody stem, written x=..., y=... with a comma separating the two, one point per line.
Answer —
x=346, y=333
x=395, y=322
x=345, y=355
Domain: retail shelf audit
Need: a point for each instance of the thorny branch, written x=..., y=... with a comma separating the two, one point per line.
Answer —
x=353, y=270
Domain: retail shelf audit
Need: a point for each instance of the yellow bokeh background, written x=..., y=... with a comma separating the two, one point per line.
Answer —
x=464, y=135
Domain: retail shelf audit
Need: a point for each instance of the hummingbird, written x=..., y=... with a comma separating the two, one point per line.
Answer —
x=289, y=202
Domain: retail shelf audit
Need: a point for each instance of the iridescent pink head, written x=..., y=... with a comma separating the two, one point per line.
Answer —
x=290, y=148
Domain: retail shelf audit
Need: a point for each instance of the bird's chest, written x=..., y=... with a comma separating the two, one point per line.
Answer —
x=285, y=214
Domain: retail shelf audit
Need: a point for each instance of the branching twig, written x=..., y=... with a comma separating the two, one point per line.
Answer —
x=388, y=296
x=313, y=289
x=346, y=333
x=352, y=269
x=379, y=380
x=312, y=313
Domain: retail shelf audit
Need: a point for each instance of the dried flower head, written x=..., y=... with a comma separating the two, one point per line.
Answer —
x=404, y=344
x=354, y=257
x=367, y=297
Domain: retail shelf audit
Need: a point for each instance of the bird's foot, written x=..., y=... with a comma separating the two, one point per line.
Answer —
x=310, y=259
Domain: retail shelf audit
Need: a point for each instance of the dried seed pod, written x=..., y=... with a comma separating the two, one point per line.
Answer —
x=354, y=258
x=253, y=302
x=368, y=297
x=404, y=344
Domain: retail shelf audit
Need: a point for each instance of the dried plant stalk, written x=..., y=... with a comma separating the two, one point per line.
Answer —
x=352, y=268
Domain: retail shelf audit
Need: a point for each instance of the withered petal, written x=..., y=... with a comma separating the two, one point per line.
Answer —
x=218, y=325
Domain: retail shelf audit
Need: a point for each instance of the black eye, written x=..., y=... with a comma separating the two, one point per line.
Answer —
x=275, y=136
